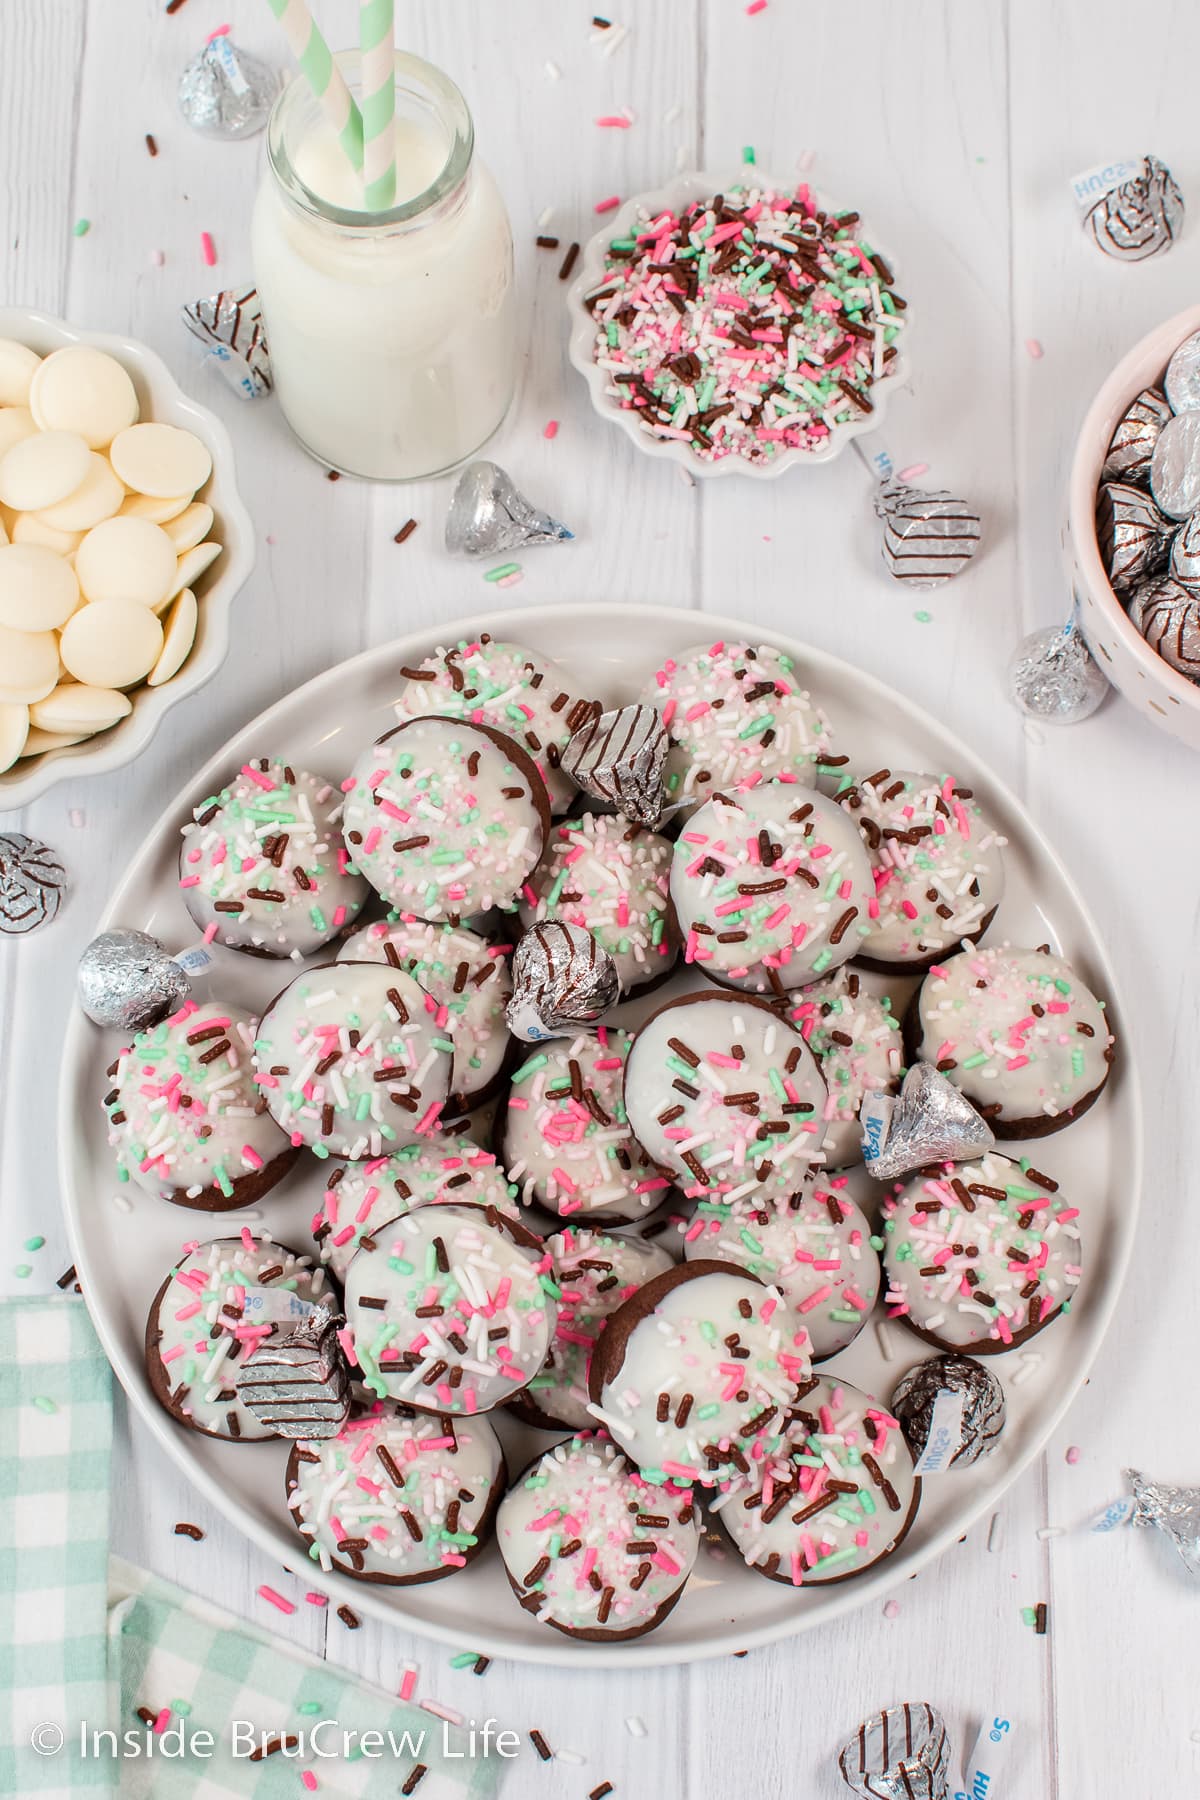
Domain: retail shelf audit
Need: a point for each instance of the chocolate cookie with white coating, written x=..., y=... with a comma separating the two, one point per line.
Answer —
x=611, y=877
x=859, y=1046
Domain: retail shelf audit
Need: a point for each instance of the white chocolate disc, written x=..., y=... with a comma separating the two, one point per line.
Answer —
x=39, y=741
x=14, y=731
x=40, y=471
x=38, y=590
x=179, y=634
x=190, y=527
x=29, y=528
x=161, y=460
x=79, y=388
x=150, y=506
x=28, y=665
x=18, y=366
x=191, y=566
x=76, y=708
x=111, y=643
x=127, y=559
x=98, y=497
x=16, y=422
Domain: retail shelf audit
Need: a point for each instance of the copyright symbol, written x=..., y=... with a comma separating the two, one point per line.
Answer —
x=47, y=1738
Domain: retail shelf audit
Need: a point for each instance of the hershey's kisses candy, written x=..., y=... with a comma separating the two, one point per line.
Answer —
x=299, y=1385
x=929, y=1121
x=1133, y=535
x=902, y=1753
x=230, y=327
x=618, y=757
x=1141, y=217
x=951, y=1411
x=1185, y=552
x=487, y=513
x=1168, y=616
x=1181, y=383
x=32, y=883
x=928, y=535
x=1175, y=466
x=562, y=978
x=1174, y=1510
x=1134, y=439
x=127, y=980
x=1053, y=676
x=225, y=92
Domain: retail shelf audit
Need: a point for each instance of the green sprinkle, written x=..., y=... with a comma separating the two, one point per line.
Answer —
x=973, y=1062
x=308, y=1707
x=501, y=571
x=750, y=1241
x=182, y=1707
x=923, y=618
x=708, y=1331
x=709, y=1411
x=836, y=1556
x=550, y=1287
x=362, y=1108
x=221, y=1177
x=530, y=1068
x=34, y=1243
x=757, y=727
x=465, y=1659
x=81, y=227
x=822, y=962
x=1029, y=1615
x=23, y=1271
x=748, y=155
x=44, y=1403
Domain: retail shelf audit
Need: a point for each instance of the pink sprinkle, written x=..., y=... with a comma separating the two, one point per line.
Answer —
x=163, y=1720
x=309, y=1780
x=317, y=1599
x=157, y=258
x=268, y=1593
x=208, y=248
x=609, y=205
x=913, y=471
x=221, y=31
x=1034, y=348
x=408, y=1684
x=756, y=6
x=617, y=120
x=891, y=1609
x=551, y=428
x=1073, y=1453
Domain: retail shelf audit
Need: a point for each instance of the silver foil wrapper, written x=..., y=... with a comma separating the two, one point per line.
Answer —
x=1181, y=383
x=1185, y=552
x=1054, y=677
x=299, y=1385
x=127, y=981
x=1175, y=1511
x=230, y=327
x=929, y=1121
x=1133, y=535
x=1168, y=616
x=1141, y=217
x=32, y=884
x=487, y=514
x=928, y=535
x=1175, y=466
x=902, y=1753
x=951, y=1411
x=562, y=979
x=618, y=757
x=225, y=92
x=1134, y=439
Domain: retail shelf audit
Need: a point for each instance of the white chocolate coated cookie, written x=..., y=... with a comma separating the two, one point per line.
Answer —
x=504, y=685
x=736, y=714
x=567, y=1140
x=360, y=1199
x=612, y=878
x=595, y=1272
x=836, y=1494
x=467, y=977
x=771, y=888
x=446, y=819
x=937, y=861
x=696, y=1371
x=858, y=1045
x=397, y=1496
x=593, y=1549
x=351, y=1060
x=817, y=1251
x=185, y=1118
x=262, y=865
x=213, y=1311
x=721, y=1090
x=1019, y=1033
x=449, y=1311
x=981, y=1256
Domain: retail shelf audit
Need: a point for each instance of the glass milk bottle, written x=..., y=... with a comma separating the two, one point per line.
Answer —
x=392, y=334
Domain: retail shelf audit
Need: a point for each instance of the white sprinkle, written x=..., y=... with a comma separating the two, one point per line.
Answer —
x=553, y=72
x=884, y=1339
x=1030, y=1363
x=995, y=1536
x=544, y=217
x=805, y=161
x=636, y=1727
x=77, y=816
x=570, y=1756
x=441, y=1712
x=122, y=1204
x=1046, y=1532
x=672, y=113
x=685, y=475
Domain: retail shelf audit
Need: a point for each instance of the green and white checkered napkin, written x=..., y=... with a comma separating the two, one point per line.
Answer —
x=86, y=1638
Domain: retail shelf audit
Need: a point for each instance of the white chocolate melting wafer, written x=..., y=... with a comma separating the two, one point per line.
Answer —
x=28, y=665
x=160, y=460
x=38, y=590
x=41, y=470
x=179, y=634
x=18, y=366
x=77, y=708
x=112, y=643
x=79, y=388
x=98, y=497
x=126, y=559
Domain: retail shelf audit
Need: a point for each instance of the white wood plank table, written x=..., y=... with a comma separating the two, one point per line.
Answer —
x=954, y=126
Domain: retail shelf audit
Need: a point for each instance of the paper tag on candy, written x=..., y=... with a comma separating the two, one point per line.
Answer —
x=195, y=960
x=945, y=1433
x=1092, y=184
x=985, y=1767
x=275, y=1306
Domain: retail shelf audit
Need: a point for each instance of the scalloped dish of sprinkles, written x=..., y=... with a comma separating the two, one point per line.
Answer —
x=750, y=324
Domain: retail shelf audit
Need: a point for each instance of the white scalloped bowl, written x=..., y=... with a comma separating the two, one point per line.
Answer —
x=163, y=400
x=685, y=188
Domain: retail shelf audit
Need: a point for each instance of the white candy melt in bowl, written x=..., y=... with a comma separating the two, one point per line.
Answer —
x=625, y=223
x=217, y=517
x=1167, y=698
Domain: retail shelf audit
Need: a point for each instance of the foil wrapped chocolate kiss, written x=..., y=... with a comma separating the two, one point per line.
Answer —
x=562, y=979
x=299, y=1385
x=487, y=514
x=1174, y=1510
x=902, y=1753
x=127, y=981
x=1053, y=676
x=951, y=1411
x=929, y=1121
x=619, y=757
x=230, y=327
x=225, y=92
x=32, y=884
x=928, y=535
x=1140, y=217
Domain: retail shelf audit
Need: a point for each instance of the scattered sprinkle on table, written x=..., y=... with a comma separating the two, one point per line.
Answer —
x=157, y=258
x=186, y=1529
x=67, y=1277
x=748, y=155
x=309, y=1780
x=995, y=1536
x=570, y=1756
x=34, y=1243
x=81, y=227
x=408, y=1681
x=923, y=618
x=208, y=249
x=418, y=1774
x=608, y=205
x=756, y=6
x=44, y=1403
x=481, y=1665
x=1073, y=1450
x=611, y=39
x=551, y=429
x=77, y=816
x=502, y=571
x=1035, y=349
x=23, y=1271
x=173, y=6
x=891, y=1609
x=317, y=1599
x=151, y=146
x=553, y=72
x=1040, y=1616
x=405, y=532
x=541, y=1746
x=635, y=1726
x=333, y=475
x=349, y=1618
x=464, y=1659
x=601, y=1791
x=439, y=1711
x=1046, y=1532
x=913, y=472
x=568, y=262
x=547, y=243
x=614, y=121
x=182, y=1707
x=269, y=1594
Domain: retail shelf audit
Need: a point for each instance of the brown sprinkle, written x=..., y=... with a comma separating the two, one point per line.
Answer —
x=349, y=1618
x=419, y=1773
x=568, y=262
x=540, y=1745
x=187, y=1530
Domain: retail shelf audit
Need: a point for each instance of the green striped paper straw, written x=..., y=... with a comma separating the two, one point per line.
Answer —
x=376, y=39
x=321, y=72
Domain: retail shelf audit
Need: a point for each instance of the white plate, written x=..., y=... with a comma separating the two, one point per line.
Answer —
x=123, y=1256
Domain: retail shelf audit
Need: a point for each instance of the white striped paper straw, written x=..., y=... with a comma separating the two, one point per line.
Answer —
x=377, y=41
x=321, y=72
